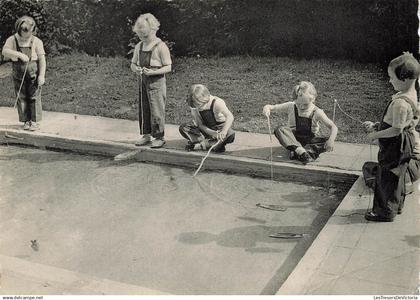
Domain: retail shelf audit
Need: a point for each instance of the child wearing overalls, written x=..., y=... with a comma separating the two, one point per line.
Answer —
x=397, y=138
x=28, y=56
x=212, y=121
x=301, y=135
x=151, y=61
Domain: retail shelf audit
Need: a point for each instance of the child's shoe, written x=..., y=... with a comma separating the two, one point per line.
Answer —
x=189, y=146
x=144, y=140
x=219, y=149
x=371, y=216
x=305, y=158
x=26, y=125
x=292, y=155
x=157, y=143
x=34, y=126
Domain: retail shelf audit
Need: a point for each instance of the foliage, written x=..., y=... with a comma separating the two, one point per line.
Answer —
x=364, y=30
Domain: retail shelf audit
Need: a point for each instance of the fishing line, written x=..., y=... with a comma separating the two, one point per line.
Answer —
x=140, y=78
x=15, y=104
x=339, y=107
x=204, y=158
x=271, y=148
x=370, y=195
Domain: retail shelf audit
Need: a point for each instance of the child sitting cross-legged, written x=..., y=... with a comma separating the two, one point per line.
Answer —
x=212, y=121
x=301, y=136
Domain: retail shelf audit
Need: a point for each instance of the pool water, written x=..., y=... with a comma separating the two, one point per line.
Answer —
x=156, y=226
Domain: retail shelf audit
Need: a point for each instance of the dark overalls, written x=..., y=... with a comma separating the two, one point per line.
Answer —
x=302, y=136
x=29, y=102
x=391, y=173
x=152, y=98
x=194, y=135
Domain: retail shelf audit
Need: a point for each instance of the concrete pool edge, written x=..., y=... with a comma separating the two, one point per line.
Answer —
x=284, y=171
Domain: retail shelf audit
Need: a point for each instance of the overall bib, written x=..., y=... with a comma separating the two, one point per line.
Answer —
x=194, y=135
x=302, y=136
x=152, y=98
x=29, y=102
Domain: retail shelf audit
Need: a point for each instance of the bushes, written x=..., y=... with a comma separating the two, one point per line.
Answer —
x=365, y=30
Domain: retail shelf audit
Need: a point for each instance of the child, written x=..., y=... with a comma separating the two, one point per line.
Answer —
x=397, y=140
x=151, y=60
x=28, y=56
x=301, y=135
x=212, y=121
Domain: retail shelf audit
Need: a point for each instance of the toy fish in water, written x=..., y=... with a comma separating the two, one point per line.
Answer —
x=272, y=207
x=287, y=235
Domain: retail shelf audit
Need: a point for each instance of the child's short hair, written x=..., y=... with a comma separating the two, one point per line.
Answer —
x=195, y=90
x=304, y=87
x=25, y=23
x=150, y=19
x=405, y=66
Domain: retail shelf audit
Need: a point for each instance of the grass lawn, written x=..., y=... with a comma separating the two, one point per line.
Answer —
x=82, y=84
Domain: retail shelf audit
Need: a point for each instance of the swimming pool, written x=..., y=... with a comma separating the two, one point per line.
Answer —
x=156, y=226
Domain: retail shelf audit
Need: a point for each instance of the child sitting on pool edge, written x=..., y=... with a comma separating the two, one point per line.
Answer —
x=212, y=121
x=301, y=136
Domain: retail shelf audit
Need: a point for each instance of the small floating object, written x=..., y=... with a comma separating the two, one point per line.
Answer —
x=287, y=235
x=127, y=155
x=9, y=136
x=34, y=245
x=272, y=207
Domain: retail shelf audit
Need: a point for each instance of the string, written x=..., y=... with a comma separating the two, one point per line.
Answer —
x=16, y=100
x=339, y=107
x=21, y=84
x=141, y=103
x=271, y=148
x=204, y=158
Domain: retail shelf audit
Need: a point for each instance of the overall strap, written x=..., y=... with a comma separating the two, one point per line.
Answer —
x=296, y=113
x=138, y=54
x=30, y=46
x=17, y=44
x=212, y=104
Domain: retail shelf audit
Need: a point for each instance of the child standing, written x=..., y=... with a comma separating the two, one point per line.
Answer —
x=151, y=61
x=301, y=135
x=397, y=140
x=28, y=56
x=212, y=121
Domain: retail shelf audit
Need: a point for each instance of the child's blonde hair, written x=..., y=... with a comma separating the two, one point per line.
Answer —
x=194, y=91
x=25, y=23
x=304, y=87
x=405, y=66
x=149, y=19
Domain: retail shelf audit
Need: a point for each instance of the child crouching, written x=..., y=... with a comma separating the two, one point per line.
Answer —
x=301, y=135
x=212, y=121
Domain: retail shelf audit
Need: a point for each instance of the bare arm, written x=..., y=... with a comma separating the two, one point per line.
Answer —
x=160, y=71
x=220, y=107
x=276, y=108
x=9, y=52
x=42, y=68
x=333, y=130
x=386, y=133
